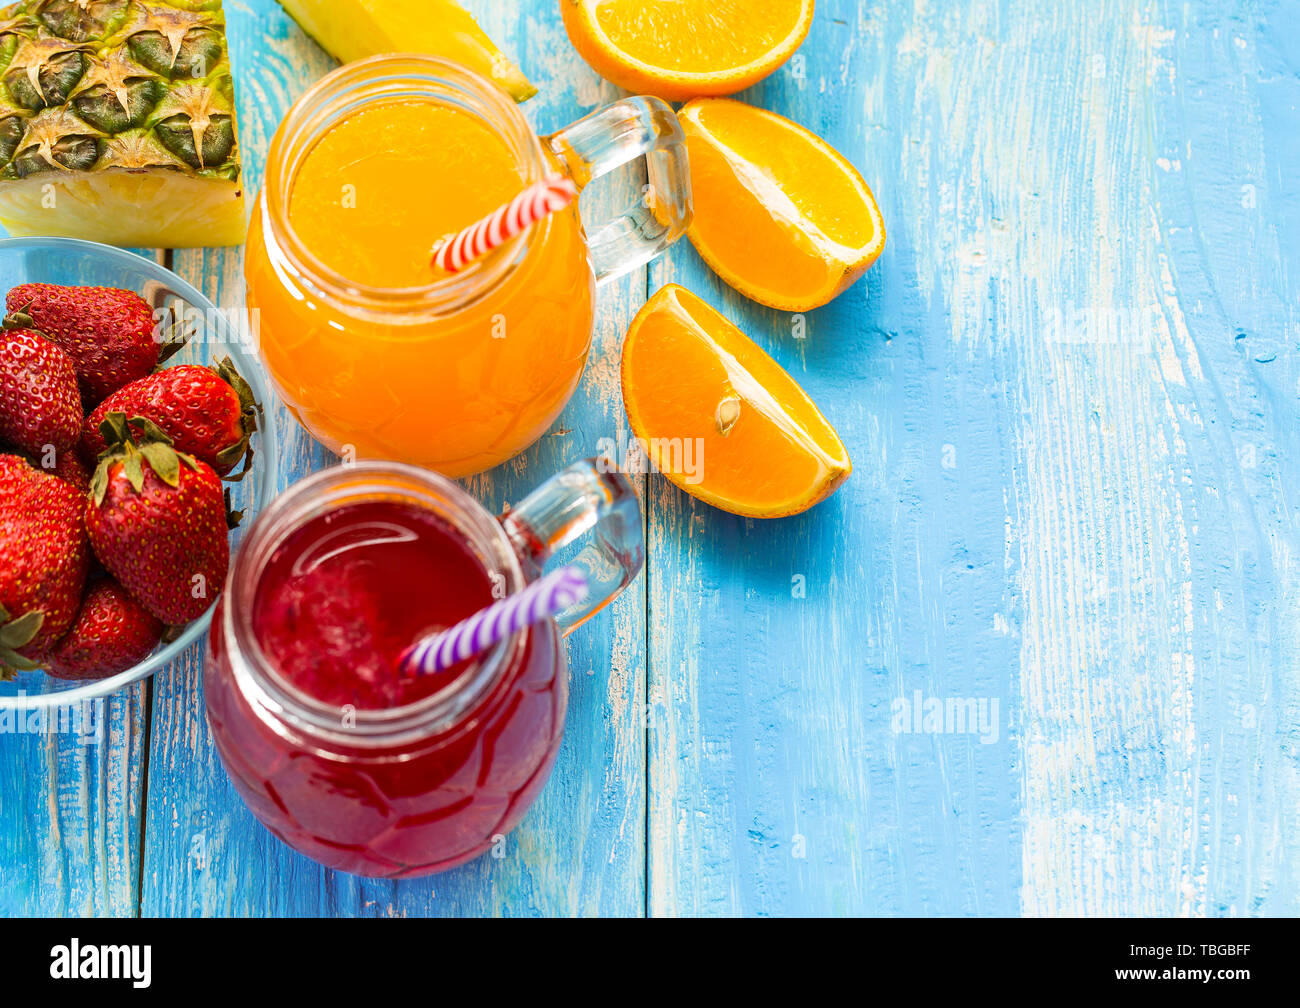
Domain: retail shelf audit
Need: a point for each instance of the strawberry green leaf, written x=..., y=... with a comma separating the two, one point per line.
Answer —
x=226, y=369
x=231, y=456
x=133, y=468
x=174, y=339
x=11, y=662
x=19, y=319
x=163, y=460
x=14, y=634
x=99, y=482
x=149, y=430
x=249, y=410
x=233, y=517
x=22, y=631
x=114, y=429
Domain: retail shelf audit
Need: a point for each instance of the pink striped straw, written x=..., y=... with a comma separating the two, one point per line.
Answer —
x=539, y=601
x=454, y=252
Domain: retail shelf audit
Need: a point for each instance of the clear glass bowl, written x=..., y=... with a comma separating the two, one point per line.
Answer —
x=70, y=261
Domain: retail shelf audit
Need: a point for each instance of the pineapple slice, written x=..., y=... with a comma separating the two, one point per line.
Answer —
x=354, y=29
x=117, y=123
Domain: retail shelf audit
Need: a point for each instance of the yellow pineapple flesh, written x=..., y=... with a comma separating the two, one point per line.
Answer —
x=354, y=29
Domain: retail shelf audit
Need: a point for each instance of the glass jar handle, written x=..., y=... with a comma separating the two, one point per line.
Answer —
x=611, y=137
x=590, y=496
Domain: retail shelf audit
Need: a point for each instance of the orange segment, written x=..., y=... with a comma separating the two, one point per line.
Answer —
x=779, y=213
x=678, y=49
x=719, y=418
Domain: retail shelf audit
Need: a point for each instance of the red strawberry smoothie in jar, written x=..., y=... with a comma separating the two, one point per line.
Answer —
x=340, y=753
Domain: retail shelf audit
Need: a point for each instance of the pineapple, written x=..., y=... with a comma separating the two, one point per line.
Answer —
x=117, y=123
x=353, y=29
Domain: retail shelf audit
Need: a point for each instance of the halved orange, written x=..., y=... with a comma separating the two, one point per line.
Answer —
x=719, y=418
x=679, y=49
x=779, y=214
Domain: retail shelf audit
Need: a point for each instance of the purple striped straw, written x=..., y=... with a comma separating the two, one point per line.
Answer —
x=541, y=600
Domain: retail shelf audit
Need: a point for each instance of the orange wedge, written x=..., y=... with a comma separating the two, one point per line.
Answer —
x=779, y=213
x=679, y=49
x=719, y=417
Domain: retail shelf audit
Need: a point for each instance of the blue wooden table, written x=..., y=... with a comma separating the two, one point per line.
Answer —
x=1040, y=655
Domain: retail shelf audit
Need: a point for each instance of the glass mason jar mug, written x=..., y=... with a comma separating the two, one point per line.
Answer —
x=455, y=372
x=428, y=782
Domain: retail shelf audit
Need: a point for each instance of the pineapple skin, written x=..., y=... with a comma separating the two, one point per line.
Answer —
x=117, y=123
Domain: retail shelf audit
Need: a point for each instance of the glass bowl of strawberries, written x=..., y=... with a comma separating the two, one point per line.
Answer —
x=134, y=451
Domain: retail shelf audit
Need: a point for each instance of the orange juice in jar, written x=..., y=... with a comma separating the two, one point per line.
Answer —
x=375, y=351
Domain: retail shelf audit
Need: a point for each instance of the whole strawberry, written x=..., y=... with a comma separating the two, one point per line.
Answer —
x=108, y=333
x=39, y=406
x=44, y=554
x=157, y=521
x=209, y=413
x=112, y=632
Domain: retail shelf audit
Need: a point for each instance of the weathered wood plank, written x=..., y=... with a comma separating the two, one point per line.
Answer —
x=581, y=850
x=70, y=810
